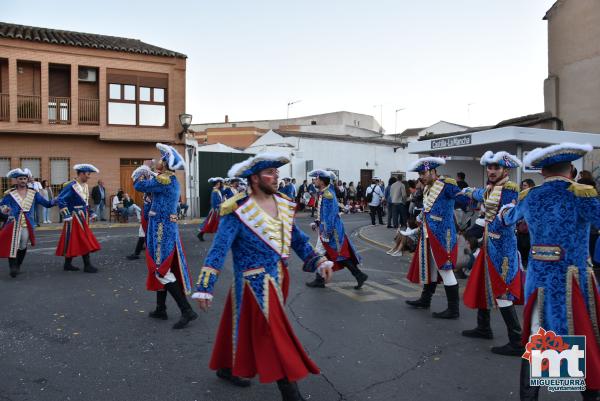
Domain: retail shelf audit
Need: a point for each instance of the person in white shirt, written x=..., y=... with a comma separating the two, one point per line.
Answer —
x=374, y=196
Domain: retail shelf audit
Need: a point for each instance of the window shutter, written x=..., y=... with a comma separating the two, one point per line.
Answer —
x=59, y=171
x=33, y=165
x=4, y=167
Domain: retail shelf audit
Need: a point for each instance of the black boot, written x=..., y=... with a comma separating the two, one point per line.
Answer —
x=483, y=329
x=187, y=314
x=289, y=391
x=527, y=392
x=358, y=275
x=318, y=282
x=138, y=249
x=87, y=265
x=200, y=236
x=513, y=347
x=226, y=374
x=161, y=306
x=68, y=266
x=13, y=267
x=21, y=256
x=452, y=312
x=425, y=300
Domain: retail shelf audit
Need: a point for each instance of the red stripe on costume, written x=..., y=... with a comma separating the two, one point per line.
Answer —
x=583, y=327
x=212, y=222
x=439, y=252
x=527, y=313
x=144, y=224
x=31, y=232
x=346, y=251
x=5, y=239
x=81, y=240
x=414, y=271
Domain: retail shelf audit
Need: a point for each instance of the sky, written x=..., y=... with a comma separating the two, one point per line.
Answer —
x=469, y=62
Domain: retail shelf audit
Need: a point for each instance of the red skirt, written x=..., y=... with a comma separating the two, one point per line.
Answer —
x=7, y=239
x=582, y=326
x=266, y=346
x=76, y=238
x=346, y=252
x=483, y=288
x=211, y=224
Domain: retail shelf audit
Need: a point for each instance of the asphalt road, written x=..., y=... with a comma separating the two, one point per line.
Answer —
x=76, y=336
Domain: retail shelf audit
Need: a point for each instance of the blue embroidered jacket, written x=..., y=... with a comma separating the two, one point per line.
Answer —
x=500, y=240
x=257, y=253
x=228, y=193
x=216, y=198
x=74, y=198
x=289, y=191
x=331, y=227
x=558, y=214
x=438, y=215
x=162, y=237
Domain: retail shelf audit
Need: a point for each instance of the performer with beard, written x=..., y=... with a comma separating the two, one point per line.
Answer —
x=495, y=279
x=332, y=240
x=437, y=249
x=77, y=238
x=19, y=204
x=255, y=336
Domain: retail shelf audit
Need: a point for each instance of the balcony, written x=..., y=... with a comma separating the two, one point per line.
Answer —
x=29, y=108
x=59, y=110
x=4, y=107
x=89, y=111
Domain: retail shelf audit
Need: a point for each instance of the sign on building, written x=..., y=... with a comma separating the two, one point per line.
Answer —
x=451, y=142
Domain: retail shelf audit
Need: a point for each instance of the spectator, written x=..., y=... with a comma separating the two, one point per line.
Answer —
x=99, y=198
x=585, y=177
x=351, y=192
x=523, y=240
x=406, y=240
x=460, y=180
x=388, y=201
x=130, y=207
x=416, y=198
x=345, y=196
x=340, y=192
x=182, y=208
x=398, y=201
x=360, y=193
x=117, y=204
x=312, y=203
x=36, y=186
x=374, y=196
x=46, y=192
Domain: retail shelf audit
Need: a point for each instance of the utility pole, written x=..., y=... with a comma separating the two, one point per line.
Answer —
x=396, y=119
x=288, y=107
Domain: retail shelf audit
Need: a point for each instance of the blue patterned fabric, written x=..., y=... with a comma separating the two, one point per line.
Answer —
x=501, y=239
x=162, y=237
x=556, y=216
x=331, y=227
x=15, y=208
x=70, y=200
x=228, y=193
x=440, y=218
x=289, y=191
x=597, y=251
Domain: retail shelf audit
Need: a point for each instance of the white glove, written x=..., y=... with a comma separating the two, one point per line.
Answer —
x=313, y=226
x=68, y=219
x=324, y=266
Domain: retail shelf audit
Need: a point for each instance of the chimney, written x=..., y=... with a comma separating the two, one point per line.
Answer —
x=226, y=118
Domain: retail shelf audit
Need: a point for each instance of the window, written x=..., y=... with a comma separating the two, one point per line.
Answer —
x=59, y=174
x=32, y=164
x=147, y=108
x=4, y=169
x=152, y=107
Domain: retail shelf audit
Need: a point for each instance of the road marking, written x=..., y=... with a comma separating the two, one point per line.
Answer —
x=404, y=294
x=367, y=294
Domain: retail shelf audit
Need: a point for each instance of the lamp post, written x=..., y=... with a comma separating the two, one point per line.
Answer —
x=288, y=107
x=396, y=119
x=185, y=120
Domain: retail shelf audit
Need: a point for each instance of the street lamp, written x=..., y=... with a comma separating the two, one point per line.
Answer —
x=185, y=120
x=396, y=120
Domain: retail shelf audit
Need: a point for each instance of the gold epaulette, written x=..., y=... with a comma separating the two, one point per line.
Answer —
x=231, y=204
x=511, y=186
x=7, y=191
x=67, y=183
x=448, y=180
x=524, y=193
x=327, y=195
x=284, y=196
x=164, y=179
x=583, y=191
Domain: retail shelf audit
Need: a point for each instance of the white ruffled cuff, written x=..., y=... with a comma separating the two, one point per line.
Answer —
x=202, y=295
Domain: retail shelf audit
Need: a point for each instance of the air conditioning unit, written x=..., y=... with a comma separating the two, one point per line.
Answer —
x=87, y=75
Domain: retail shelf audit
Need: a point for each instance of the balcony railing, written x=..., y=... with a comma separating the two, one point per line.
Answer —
x=59, y=110
x=29, y=108
x=89, y=111
x=4, y=107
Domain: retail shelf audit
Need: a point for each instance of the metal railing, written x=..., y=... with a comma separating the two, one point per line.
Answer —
x=89, y=111
x=59, y=110
x=29, y=108
x=4, y=107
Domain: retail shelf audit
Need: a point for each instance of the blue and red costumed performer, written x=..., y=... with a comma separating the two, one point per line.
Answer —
x=255, y=336
x=561, y=291
x=165, y=259
x=77, y=239
x=211, y=224
x=496, y=277
x=332, y=241
x=18, y=204
x=437, y=248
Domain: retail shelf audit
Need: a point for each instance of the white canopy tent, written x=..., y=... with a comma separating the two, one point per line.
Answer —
x=464, y=149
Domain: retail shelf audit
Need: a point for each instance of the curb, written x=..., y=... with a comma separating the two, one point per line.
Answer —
x=372, y=241
x=59, y=227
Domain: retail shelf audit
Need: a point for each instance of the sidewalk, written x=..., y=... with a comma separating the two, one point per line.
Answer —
x=106, y=224
x=378, y=235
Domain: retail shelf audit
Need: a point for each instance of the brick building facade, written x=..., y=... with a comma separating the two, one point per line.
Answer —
x=69, y=97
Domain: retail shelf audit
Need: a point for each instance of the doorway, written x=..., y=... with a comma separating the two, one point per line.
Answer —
x=366, y=176
x=126, y=183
